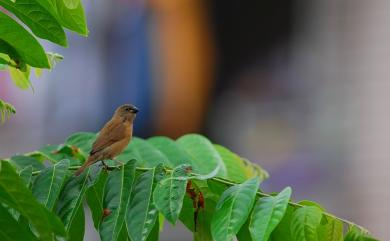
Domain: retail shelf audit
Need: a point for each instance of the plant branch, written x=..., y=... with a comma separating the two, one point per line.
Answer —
x=230, y=183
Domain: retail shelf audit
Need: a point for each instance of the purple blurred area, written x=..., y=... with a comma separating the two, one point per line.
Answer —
x=301, y=87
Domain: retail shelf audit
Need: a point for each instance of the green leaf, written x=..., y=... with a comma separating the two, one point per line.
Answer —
x=11, y=230
x=117, y=194
x=304, y=223
x=142, y=213
x=244, y=234
x=282, y=230
x=72, y=19
x=82, y=140
x=95, y=195
x=6, y=110
x=38, y=19
x=233, y=209
x=355, y=234
x=267, y=214
x=20, y=78
x=26, y=175
x=56, y=153
x=145, y=154
x=24, y=161
x=22, y=42
x=16, y=195
x=202, y=151
x=331, y=230
x=236, y=169
x=204, y=219
x=172, y=151
x=169, y=193
x=155, y=233
x=47, y=185
x=54, y=59
x=77, y=229
x=71, y=198
x=72, y=4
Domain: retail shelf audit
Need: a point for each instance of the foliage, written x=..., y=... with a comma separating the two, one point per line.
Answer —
x=20, y=51
x=211, y=190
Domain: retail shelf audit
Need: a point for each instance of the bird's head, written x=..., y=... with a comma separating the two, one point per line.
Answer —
x=126, y=112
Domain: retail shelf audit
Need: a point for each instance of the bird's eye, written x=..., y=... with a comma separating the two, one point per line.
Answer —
x=128, y=109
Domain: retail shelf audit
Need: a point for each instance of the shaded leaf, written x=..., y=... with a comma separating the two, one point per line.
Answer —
x=26, y=175
x=233, y=209
x=205, y=157
x=11, y=230
x=71, y=198
x=48, y=184
x=82, y=140
x=331, y=230
x=169, y=193
x=175, y=154
x=142, y=213
x=95, y=196
x=77, y=229
x=22, y=162
x=304, y=223
x=16, y=195
x=116, y=199
x=145, y=154
x=267, y=214
x=26, y=46
x=38, y=19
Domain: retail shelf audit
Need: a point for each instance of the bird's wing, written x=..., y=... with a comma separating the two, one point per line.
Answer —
x=111, y=133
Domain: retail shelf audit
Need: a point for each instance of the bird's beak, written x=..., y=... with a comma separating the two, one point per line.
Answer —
x=134, y=110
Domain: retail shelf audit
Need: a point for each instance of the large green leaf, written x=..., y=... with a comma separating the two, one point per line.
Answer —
x=38, y=19
x=267, y=214
x=116, y=199
x=172, y=151
x=11, y=230
x=71, y=198
x=56, y=153
x=16, y=195
x=202, y=151
x=27, y=47
x=144, y=153
x=142, y=213
x=330, y=230
x=95, y=196
x=47, y=185
x=169, y=193
x=24, y=161
x=82, y=140
x=233, y=209
x=305, y=222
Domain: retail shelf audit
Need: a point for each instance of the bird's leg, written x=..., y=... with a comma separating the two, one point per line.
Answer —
x=118, y=162
x=105, y=167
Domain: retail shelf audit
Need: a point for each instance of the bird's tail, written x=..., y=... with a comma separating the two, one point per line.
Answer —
x=86, y=164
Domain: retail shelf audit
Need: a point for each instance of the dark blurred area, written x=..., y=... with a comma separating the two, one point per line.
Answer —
x=301, y=87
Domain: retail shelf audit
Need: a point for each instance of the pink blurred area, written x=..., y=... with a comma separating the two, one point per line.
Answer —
x=301, y=87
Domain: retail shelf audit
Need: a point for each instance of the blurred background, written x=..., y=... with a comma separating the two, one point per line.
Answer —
x=301, y=87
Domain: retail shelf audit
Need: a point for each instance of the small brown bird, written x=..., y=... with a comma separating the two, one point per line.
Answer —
x=113, y=137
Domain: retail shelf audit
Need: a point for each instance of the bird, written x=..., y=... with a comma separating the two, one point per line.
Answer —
x=113, y=137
